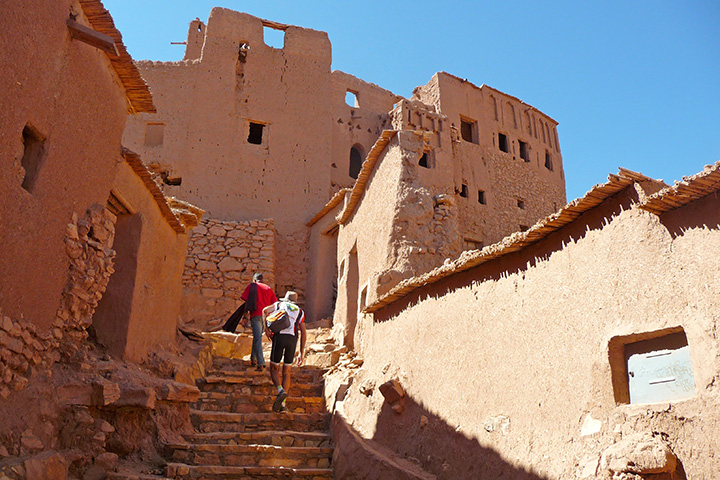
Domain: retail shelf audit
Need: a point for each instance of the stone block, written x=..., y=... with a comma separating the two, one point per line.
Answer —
x=105, y=393
x=199, y=230
x=392, y=390
x=75, y=394
x=6, y=324
x=179, y=392
x=205, y=266
x=229, y=264
x=107, y=461
x=212, y=292
x=136, y=397
x=11, y=343
x=640, y=453
x=47, y=465
x=217, y=231
x=238, y=252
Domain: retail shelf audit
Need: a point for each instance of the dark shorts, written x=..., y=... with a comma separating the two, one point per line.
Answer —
x=283, y=348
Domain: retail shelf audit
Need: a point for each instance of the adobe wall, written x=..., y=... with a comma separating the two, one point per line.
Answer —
x=322, y=286
x=230, y=78
x=509, y=362
x=139, y=311
x=505, y=178
x=221, y=260
x=355, y=126
x=48, y=77
x=402, y=227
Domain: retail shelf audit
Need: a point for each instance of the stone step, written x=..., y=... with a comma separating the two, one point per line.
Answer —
x=296, y=389
x=231, y=364
x=285, y=438
x=253, y=455
x=248, y=422
x=133, y=476
x=215, y=472
x=245, y=403
x=259, y=378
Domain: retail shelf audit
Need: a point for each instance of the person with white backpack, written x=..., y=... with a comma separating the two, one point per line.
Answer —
x=283, y=321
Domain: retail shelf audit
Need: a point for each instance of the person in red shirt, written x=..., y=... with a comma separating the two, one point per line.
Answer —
x=257, y=296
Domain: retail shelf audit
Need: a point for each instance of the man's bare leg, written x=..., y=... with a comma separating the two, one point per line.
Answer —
x=275, y=374
x=286, y=377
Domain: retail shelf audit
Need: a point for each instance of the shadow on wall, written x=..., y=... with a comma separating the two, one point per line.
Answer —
x=702, y=213
x=424, y=438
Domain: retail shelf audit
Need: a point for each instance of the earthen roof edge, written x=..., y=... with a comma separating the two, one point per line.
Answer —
x=516, y=241
x=136, y=90
x=334, y=201
x=689, y=189
x=137, y=165
x=363, y=177
x=464, y=80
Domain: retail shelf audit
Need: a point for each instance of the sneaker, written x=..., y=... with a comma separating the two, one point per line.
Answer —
x=278, y=403
x=260, y=368
x=283, y=409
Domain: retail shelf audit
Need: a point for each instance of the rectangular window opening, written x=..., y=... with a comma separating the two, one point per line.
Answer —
x=524, y=151
x=426, y=160
x=255, y=135
x=273, y=37
x=503, y=143
x=154, y=133
x=651, y=367
x=33, y=156
x=521, y=204
x=548, y=161
x=468, y=130
x=463, y=190
x=481, y=196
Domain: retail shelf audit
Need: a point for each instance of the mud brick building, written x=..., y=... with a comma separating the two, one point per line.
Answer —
x=251, y=132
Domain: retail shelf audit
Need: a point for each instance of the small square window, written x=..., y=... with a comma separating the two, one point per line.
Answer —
x=521, y=204
x=503, y=142
x=463, y=190
x=481, y=196
x=255, y=135
x=548, y=161
x=651, y=367
x=154, y=133
x=468, y=130
x=427, y=159
x=524, y=151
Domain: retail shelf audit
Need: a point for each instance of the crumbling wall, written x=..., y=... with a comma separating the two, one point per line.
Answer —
x=505, y=185
x=357, y=125
x=522, y=358
x=222, y=258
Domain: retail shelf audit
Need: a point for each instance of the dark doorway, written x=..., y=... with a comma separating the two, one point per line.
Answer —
x=112, y=315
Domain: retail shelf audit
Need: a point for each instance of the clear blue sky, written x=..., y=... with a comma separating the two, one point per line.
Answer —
x=632, y=83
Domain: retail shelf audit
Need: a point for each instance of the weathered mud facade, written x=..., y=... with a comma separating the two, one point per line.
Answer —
x=247, y=131
x=520, y=353
x=91, y=250
x=223, y=142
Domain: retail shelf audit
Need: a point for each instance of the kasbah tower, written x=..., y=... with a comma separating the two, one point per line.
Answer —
x=268, y=136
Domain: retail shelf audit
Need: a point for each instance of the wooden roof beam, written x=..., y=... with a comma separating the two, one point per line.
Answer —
x=92, y=37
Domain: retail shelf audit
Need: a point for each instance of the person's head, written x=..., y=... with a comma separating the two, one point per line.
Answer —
x=258, y=277
x=290, y=296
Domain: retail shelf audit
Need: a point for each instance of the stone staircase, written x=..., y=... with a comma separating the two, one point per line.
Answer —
x=238, y=436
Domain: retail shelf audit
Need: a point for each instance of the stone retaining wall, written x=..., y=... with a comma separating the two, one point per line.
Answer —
x=222, y=258
x=24, y=349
